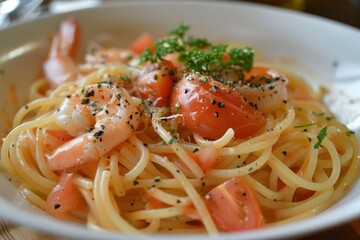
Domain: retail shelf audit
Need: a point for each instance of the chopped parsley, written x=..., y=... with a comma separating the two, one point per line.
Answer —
x=306, y=125
x=200, y=55
x=172, y=141
x=321, y=136
x=349, y=133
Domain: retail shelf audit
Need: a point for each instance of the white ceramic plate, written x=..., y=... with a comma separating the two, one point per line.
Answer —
x=305, y=44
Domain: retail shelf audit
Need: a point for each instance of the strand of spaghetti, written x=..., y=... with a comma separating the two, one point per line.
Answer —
x=141, y=164
x=217, y=144
x=262, y=141
x=164, y=148
x=292, y=179
x=153, y=226
x=105, y=211
x=89, y=198
x=29, y=172
x=83, y=182
x=10, y=139
x=35, y=89
x=40, y=157
x=116, y=180
x=245, y=170
x=264, y=191
x=309, y=166
x=190, y=190
x=178, y=150
x=20, y=115
x=167, y=198
x=129, y=160
x=309, y=105
x=314, y=201
x=110, y=72
x=33, y=198
x=154, y=213
x=352, y=173
x=170, y=183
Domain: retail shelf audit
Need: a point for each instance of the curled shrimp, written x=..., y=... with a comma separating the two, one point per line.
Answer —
x=265, y=89
x=100, y=116
x=60, y=67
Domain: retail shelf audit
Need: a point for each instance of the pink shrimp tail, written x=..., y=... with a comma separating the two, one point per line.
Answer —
x=71, y=154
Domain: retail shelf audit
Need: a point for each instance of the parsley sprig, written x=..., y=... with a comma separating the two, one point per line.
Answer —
x=199, y=54
x=320, y=137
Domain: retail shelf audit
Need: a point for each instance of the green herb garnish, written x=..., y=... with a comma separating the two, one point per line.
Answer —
x=200, y=55
x=306, y=125
x=171, y=141
x=320, y=137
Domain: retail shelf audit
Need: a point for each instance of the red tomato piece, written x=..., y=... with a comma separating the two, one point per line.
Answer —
x=233, y=206
x=210, y=108
x=141, y=43
x=205, y=158
x=156, y=83
x=64, y=197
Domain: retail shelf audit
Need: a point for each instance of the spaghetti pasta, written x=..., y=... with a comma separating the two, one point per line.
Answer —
x=129, y=145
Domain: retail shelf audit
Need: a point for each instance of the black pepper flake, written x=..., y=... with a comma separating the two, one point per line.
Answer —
x=57, y=205
x=90, y=93
x=195, y=150
x=221, y=104
x=284, y=153
x=99, y=133
x=216, y=114
x=213, y=101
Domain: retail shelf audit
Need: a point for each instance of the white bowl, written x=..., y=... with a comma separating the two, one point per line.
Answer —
x=305, y=44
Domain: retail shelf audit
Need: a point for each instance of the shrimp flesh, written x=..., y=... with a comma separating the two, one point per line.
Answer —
x=265, y=89
x=60, y=66
x=100, y=116
x=108, y=55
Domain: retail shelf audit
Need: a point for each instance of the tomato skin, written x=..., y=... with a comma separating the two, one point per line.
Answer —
x=210, y=108
x=156, y=83
x=205, y=158
x=143, y=42
x=64, y=197
x=233, y=206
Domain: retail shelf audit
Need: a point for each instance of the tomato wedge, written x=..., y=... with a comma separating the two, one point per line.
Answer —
x=233, y=206
x=204, y=157
x=64, y=197
x=156, y=83
x=210, y=108
x=143, y=42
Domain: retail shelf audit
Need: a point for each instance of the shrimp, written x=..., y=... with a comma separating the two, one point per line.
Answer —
x=265, y=89
x=99, y=116
x=108, y=55
x=60, y=66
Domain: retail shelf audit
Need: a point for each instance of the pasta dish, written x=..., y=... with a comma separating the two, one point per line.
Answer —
x=175, y=135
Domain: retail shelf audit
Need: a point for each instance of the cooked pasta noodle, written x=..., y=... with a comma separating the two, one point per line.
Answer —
x=127, y=164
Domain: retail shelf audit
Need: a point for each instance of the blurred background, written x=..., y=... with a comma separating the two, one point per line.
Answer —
x=346, y=11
